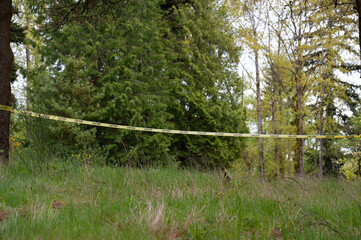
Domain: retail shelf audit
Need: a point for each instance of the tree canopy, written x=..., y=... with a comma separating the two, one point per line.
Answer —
x=275, y=67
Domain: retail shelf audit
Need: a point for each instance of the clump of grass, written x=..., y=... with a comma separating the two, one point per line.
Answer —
x=82, y=201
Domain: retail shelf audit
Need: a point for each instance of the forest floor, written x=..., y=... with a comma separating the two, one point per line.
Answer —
x=68, y=201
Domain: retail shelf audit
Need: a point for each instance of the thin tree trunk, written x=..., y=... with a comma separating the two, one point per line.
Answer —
x=27, y=52
x=327, y=169
x=28, y=62
x=276, y=122
x=299, y=113
x=320, y=159
x=281, y=157
x=296, y=148
x=359, y=159
x=316, y=157
x=6, y=60
x=288, y=159
x=259, y=115
x=275, y=132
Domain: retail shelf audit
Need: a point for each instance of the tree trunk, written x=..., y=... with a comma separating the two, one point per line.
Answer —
x=6, y=60
x=320, y=159
x=299, y=121
x=296, y=148
x=279, y=131
x=275, y=132
x=259, y=114
x=27, y=52
x=316, y=156
x=281, y=157
x=359, y=158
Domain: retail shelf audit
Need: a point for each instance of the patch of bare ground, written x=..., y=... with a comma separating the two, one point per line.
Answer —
x=56, y=204
x=4, y=215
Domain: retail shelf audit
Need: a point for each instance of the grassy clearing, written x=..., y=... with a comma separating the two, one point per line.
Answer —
x=94, y=202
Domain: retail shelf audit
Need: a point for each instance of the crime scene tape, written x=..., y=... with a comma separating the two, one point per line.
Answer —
x=168, y=131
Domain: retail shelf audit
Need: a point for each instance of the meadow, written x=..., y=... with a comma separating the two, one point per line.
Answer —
x=62, y=200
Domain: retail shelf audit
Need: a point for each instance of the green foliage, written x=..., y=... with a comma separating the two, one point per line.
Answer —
x=205, y=85
x=350, y=167
x=17, y=33
x=140, y=65
x=304, y=44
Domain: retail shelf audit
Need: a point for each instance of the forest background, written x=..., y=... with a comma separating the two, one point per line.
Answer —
x=175, y=65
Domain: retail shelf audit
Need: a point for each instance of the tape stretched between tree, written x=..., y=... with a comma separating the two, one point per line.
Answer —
x=155, y=130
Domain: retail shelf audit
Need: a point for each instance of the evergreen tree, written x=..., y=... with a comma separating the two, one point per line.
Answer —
x=143, y=64
x=207, y=90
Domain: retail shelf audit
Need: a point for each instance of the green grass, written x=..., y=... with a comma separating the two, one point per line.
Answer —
x=93, y=202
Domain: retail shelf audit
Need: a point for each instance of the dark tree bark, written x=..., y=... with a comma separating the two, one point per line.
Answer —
x=6, y=60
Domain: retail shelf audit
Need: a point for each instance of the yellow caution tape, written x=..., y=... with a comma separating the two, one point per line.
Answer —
x=156, y=130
